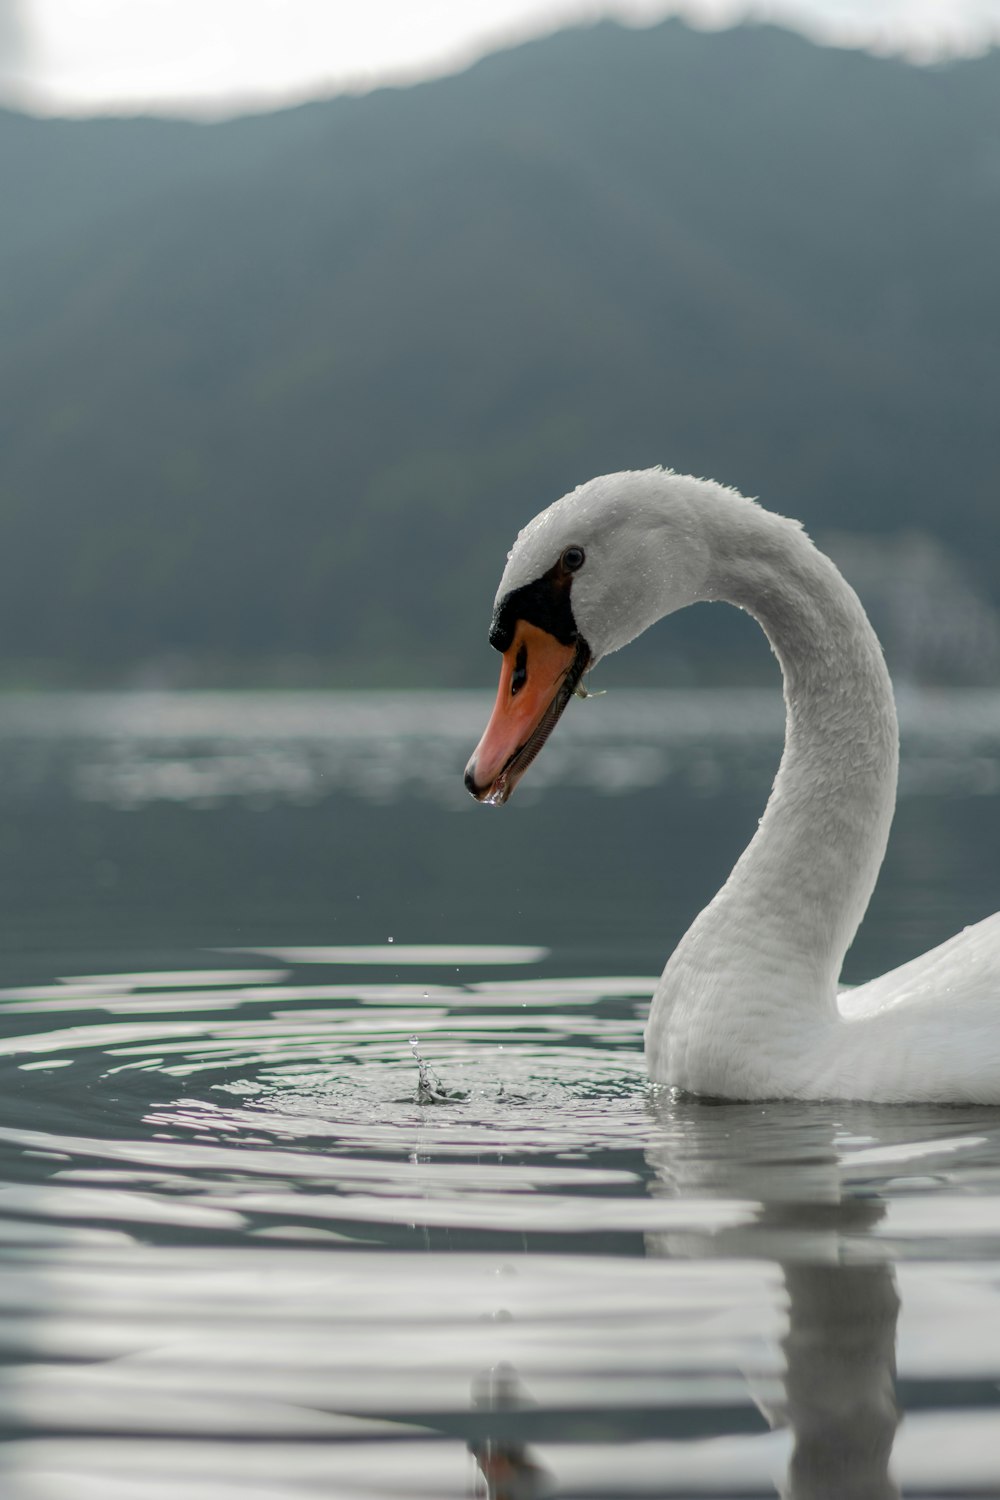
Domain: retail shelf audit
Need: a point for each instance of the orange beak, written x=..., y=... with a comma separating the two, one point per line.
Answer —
x=537, y=679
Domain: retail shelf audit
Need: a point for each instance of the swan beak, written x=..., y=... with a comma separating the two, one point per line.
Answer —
x=537, y=679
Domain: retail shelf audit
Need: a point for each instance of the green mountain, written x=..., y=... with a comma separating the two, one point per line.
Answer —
x=285, y=387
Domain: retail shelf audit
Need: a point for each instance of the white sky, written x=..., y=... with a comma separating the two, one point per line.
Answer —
x=220, y=56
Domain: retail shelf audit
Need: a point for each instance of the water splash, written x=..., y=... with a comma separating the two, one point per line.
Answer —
x=430, y=1089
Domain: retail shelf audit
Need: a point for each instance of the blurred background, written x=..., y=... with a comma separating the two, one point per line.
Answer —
x=304, y=312
x=305, y=309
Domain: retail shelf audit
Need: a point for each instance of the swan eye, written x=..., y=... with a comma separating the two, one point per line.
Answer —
x=520, y=674
x=573, y=559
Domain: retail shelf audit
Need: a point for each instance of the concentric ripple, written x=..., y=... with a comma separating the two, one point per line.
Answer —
x=290, y=1096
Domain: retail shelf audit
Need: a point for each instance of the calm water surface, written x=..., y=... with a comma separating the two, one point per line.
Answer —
x=242, y=1258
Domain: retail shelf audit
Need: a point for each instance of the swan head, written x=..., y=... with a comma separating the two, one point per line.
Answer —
x=584, y=578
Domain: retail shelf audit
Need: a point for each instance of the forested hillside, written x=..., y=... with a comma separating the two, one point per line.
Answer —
x=285, y=387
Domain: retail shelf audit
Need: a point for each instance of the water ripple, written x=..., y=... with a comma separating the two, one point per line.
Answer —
x=240, y=1257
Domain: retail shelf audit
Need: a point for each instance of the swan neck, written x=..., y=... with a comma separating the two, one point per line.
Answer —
x=763, y=959
x=810, y=870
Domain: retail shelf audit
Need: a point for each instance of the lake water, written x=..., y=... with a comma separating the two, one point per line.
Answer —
x=242, y=1259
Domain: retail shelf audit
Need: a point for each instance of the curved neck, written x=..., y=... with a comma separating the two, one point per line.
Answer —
x=772, y=942
x=809, y=872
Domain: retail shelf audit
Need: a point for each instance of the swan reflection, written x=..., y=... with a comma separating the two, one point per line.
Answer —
x=793, y=1393
x=839, y=1350
x=508, y=1468
x=840, y=1381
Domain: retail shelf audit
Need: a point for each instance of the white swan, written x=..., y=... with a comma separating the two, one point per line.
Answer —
x=747, y=1006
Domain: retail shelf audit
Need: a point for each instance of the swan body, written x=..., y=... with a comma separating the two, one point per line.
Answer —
x=748, y=1004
